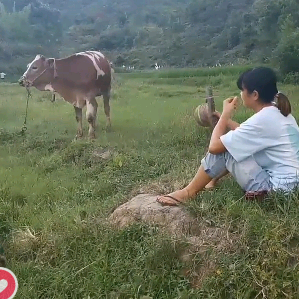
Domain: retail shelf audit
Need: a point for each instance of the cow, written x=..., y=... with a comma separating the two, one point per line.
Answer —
x=79, y=79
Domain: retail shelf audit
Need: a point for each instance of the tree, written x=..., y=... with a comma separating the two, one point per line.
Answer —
x=46, y=25
x=286, y=53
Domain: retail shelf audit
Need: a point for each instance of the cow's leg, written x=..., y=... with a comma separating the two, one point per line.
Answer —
x=78, y=112
x=91, y=115
x=106, y=97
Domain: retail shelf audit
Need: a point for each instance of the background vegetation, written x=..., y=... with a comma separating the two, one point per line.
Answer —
x=173, y=33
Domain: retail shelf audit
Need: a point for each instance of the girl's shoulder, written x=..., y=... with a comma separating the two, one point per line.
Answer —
x=268, y=116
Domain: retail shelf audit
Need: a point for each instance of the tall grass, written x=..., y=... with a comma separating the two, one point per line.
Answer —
x=56, y=195
x=188, y=72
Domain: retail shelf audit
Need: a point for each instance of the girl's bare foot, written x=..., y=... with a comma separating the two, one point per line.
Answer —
x=174, y=198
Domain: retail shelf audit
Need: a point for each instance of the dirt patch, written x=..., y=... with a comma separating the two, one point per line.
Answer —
x=27, y=245
x=101, y=154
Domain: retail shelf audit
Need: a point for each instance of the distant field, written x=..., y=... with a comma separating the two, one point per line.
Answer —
x=55, y=196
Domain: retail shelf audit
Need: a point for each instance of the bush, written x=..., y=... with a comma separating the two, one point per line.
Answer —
x=291, y=78
x=287, y=53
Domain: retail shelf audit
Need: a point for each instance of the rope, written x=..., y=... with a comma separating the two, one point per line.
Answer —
x=29, y=95
x=24, y=128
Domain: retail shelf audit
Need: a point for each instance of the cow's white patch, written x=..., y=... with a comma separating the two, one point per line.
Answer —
x=98, y=53
x=101, y=54
x=95, y=57
x=37, y=57
x=49, y=87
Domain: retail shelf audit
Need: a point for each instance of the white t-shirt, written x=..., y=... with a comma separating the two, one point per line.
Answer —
x=2, y=75
x=273, y=140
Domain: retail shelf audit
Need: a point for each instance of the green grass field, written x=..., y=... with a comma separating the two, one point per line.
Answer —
x=56, y=195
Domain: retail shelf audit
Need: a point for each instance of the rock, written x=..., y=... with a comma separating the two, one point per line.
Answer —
x=145, y=208
x=176, y=220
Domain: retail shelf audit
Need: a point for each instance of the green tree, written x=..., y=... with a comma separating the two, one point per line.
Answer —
x=286, y=53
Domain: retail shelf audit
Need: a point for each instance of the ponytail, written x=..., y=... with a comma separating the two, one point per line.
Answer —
x=283, y=104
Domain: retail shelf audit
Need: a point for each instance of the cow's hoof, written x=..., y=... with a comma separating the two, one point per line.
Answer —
x=108, y=128
x=78, y=136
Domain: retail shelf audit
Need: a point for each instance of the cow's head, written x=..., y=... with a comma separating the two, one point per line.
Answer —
x=38, y=72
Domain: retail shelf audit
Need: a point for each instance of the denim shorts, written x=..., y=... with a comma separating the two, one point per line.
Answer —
x=249, y=175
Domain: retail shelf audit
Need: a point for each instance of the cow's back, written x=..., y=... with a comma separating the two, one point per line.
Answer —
x=85, y=70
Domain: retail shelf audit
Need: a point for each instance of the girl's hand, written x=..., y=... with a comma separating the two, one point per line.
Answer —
x=229, y=106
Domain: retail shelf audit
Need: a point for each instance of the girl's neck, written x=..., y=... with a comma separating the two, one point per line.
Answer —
x=259, y=107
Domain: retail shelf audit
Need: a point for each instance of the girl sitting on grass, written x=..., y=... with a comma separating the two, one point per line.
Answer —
x=262, y=153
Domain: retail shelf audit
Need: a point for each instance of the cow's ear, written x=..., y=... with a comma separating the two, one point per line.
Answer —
x=50, y=62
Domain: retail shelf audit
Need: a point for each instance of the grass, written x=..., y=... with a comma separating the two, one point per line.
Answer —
x=189, y=72
x=56, y=195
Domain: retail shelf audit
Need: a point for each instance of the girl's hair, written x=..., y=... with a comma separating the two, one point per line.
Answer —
x=263, y=80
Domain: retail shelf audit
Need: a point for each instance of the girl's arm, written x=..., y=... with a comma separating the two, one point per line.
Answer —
x=216, y=146
x=232, y=125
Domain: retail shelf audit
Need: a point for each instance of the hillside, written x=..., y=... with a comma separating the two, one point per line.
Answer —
x=141, y=33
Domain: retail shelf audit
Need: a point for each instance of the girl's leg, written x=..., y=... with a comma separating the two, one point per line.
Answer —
x=249, y=175
x=214, y=181
x=198, y=183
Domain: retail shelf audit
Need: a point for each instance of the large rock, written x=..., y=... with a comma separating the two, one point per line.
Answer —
x=176, y=220
x=145, y=208
x=204, y=240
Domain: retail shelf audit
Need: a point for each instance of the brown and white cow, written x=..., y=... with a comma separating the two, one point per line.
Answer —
x=79, y=79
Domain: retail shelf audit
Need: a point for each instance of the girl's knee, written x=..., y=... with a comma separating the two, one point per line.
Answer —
x=214, y=165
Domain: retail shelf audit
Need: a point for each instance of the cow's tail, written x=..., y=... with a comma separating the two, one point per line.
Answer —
x=112, y=72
